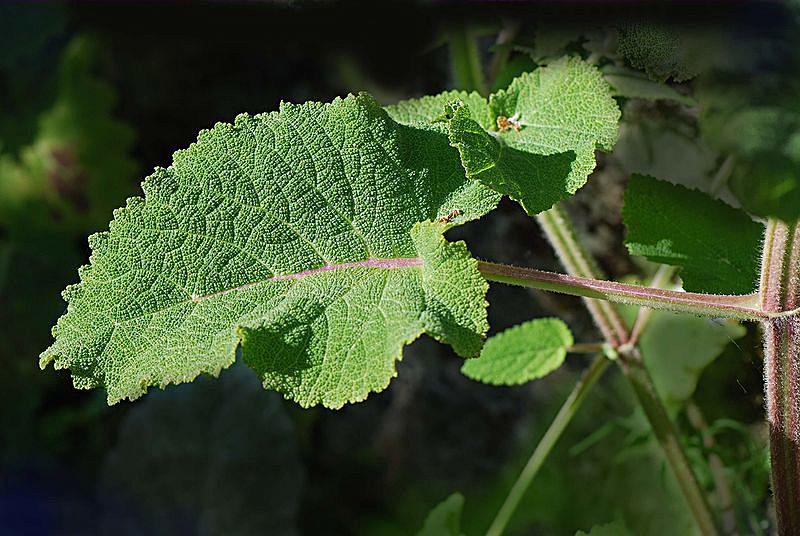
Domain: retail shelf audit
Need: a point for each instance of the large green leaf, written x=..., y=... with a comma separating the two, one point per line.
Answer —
x=520, y=354
x=716, y=245
x=293, y=234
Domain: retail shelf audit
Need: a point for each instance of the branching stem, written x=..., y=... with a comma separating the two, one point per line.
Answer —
x=579, y=264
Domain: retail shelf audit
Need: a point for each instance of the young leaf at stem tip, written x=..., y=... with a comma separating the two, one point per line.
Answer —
x=295, y=234
x=535, y=140
x=716, y=245
x=522, y=353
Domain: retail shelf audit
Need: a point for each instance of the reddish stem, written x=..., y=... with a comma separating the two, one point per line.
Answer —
x=780, y=292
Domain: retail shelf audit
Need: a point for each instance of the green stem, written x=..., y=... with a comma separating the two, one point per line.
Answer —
x=578, y=262
x=738, y=307
x=546, y=444
x=664, y=430
x=588, y=348
x=465, y=59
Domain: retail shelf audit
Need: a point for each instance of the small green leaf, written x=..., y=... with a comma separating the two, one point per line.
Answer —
x=445, y=518
x=565, y=106
x=716, y=245
x=551, y=121
x=293, y=234
x=522, y=353
x=633, y=84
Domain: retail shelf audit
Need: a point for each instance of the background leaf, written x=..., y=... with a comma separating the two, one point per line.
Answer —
x=633, y=84
x=445, y=519
x=656, y=49
x=213, y=457
x=717, y=246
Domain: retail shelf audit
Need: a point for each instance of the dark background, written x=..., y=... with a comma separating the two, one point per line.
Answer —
x=222, y=456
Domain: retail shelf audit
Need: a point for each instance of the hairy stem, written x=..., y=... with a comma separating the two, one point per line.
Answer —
x=661, y=279
x=578, y=262
x=780, y=291
x=546, y=444
x=465, y=59
x=738, y=307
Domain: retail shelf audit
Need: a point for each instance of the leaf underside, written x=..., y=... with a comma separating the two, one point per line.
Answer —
x=716, y=245
x=295, y=234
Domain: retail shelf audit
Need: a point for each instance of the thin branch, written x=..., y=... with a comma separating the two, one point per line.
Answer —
x=546, y=444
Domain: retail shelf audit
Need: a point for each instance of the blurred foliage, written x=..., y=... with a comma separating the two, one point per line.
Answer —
x=216, y=457
x=78, y=168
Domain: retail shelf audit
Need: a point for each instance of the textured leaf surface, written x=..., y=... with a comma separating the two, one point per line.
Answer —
x=566, y=106
x=633, y=84
x=716, y=245
x=536, y=181
x=520, y=354
x=292, y=233
x=426, y=110
x=445, y=518
x=560, y=114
